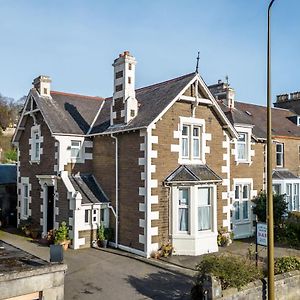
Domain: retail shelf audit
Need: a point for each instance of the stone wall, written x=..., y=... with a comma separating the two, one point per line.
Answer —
x=286, y=288
x=48, y=281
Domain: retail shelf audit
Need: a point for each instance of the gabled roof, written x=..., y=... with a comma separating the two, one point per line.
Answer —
x=152, y=100
x=256, y=115
x=89, y=188
x=283, y=174
x=8, y=174
x=193, y=174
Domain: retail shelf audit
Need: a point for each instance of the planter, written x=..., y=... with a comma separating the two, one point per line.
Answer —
x=34, y=234
x=27, y=232
x=65, y=244
x=102, y=243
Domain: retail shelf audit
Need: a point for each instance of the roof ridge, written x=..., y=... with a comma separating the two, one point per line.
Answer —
x=165, y=82
x=260, y=105
x=77, y=95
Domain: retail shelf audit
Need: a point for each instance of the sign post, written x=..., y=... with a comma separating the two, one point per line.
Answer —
x=261, y=237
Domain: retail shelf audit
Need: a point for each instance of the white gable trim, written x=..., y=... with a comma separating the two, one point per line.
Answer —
x=219, y=111
x=19, y=127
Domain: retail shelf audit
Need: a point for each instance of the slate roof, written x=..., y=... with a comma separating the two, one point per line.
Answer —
x=252, y=114
x=89, y=188
x=193, y=173
x=68, y=113
x=8, y=174
x=152, y=101
x=283, y=174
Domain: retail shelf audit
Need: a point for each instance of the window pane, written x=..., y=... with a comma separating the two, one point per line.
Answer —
x=183, y=219
x=245, y=191
x=25, y=206
x=37, y=150
x=241, y=151
x=196, y=131
x=204, y=209
x=86, y=216
x=237, y=192
x=183, y=197
x=296, y=197
x=276, y=189
x=196, y=146
x=289, y=195
x=279, y=147
x=242, y=137
x=185, y=147
x=185, y=130
x=25, y=190
x=237, y=210
x=245, y=210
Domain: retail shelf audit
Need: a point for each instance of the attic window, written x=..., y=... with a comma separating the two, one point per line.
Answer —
x=248, y=113
x=129, y=67
x=298, y=120
x=45, y=91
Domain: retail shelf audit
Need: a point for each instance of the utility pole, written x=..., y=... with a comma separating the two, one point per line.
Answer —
x=270, y=215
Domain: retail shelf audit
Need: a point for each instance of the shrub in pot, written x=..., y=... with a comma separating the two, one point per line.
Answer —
x=101, y=238
x=61, y=236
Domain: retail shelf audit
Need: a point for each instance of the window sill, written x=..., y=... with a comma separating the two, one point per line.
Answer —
x=186, y=161
x=242, y=222
x=35, y=162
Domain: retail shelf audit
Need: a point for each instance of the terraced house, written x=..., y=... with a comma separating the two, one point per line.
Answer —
x=163, y=162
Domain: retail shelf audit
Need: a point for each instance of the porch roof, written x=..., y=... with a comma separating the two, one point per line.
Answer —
x=193, y=173
x=89, y=188
x=283, y=175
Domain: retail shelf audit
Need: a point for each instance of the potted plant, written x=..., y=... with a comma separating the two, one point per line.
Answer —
x=26, y=226
x=61, y=236
x=101, y=239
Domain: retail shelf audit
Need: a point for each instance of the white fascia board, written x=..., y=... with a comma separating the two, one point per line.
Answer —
x=96, y=117
x=218, y=108
x=116, y=131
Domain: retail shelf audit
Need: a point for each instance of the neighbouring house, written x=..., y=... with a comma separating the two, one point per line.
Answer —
x=8, y=195
x=249, y=158
x=159, y=163
x=24, y=276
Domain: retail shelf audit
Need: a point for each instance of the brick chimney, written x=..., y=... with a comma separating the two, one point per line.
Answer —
x=223, y=93
x=42, y=84
x=289, y=101
x=124, y=105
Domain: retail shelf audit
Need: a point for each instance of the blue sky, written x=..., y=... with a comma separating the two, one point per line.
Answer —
x=75, y=42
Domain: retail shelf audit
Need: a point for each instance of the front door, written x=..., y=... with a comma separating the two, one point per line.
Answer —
x=50, y=207
x=241, y=218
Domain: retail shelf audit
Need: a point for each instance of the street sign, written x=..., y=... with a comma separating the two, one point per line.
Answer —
x=261, y=234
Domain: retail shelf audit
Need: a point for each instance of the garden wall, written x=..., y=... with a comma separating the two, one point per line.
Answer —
x=287, y=287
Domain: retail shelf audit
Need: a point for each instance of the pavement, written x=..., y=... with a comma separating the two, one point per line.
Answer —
x=97, y=274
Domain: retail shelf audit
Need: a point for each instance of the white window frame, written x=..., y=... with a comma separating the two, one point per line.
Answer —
x=248, y=132
x=35, y=141
x=25, y=203
x=184, y=206
x=210, y=205
x=78, y=148
x=240, y=200
x=296, y=202
x=192, y=123
x=279, y=154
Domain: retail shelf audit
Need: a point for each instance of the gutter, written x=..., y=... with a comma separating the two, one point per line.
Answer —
x=116, y=212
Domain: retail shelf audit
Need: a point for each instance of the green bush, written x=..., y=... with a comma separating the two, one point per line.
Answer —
x=62, y=233
x=232, y=271
x=286, y=264
x=279, y=206
x=100, y=232
x=10, y=155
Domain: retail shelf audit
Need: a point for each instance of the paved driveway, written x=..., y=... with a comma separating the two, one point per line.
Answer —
x=94, y=274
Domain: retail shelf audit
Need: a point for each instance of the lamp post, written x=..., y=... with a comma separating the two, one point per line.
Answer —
x=270, y=217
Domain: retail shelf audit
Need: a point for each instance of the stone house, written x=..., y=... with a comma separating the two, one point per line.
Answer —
x=159, y=163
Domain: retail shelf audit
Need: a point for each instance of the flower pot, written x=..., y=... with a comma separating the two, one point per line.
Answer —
x=65, y=244
x=34, y=234
x=27, y=232
x=102, y=243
